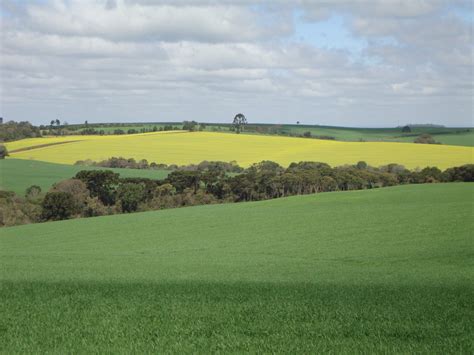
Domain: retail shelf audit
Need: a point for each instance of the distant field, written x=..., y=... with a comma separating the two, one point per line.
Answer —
x=386, y=270
x=17, y=174
x=448, y=136
x=185, y=148
x=462, y=136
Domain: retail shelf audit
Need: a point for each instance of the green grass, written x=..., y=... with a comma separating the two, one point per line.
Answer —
x=17, y=174
x=444, y=135
x=385, y=270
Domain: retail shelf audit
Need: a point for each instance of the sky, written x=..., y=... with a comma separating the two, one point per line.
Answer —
x=359, y=63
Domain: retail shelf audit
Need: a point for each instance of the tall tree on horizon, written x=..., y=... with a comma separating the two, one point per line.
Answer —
x=239, y=122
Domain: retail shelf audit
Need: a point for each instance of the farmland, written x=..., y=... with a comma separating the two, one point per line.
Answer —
x=361, y=271
x=462, y=136
x=17, y=174
x=185, y=148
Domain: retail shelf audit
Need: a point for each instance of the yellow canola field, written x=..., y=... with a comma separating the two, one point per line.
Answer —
x=185, y=148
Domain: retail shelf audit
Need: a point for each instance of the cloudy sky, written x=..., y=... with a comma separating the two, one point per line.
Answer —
x=354, y=63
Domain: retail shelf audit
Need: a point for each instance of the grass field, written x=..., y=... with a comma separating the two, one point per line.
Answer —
x=17, y=174
x=186, y=148
x=385, y=270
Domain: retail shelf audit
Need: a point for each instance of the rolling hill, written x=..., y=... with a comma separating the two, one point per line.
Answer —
x=185, y=148
x=384, y=270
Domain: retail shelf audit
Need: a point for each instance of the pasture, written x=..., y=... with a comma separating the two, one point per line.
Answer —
x=384, y=270
x=186, y=148
x=18, y=174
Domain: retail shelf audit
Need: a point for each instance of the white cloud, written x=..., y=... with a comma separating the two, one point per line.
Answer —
x=142, y=60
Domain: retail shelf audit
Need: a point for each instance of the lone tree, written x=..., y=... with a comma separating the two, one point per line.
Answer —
x=239, y=122
x=406, y=129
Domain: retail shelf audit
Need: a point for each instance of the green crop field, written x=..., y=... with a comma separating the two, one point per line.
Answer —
x=444, y=135
x=17, y=175
x=384, y=270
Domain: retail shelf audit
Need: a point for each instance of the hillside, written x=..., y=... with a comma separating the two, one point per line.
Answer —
x=18, y=174
x=185, y=148
x=378, y=270
x=462, y=136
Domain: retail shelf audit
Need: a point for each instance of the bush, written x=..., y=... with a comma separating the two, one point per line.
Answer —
x=77, y=188
x=130, y=195
x=425, y=139
x=32, y=192
x=100, y=183
x=58, y=206
x=15, y=210
x=3, y=151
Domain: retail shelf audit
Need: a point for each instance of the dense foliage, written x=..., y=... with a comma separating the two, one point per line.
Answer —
x=130, y=163
x=101, y=192
x=11, y=131
x=425, y=139
x=3, y=151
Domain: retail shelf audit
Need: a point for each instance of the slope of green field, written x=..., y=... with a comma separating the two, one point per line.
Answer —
x=448, y=136
x=17, y=174
x=186, y=148
x=384, y=270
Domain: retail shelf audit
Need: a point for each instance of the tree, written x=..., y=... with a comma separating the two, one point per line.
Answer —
x=32, y=192
x=100, y=183
x=58, y=206
x=130, y=195
x=3, y=151
x=182, y=180
x=77, y=188
x=190, y=126
x=406, y=129
x=239, y=122
x=58, y=122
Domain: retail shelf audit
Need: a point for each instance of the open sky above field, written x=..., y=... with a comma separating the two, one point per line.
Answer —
x=349, y=63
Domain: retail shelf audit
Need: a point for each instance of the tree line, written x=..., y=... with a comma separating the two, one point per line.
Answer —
x=103, y=192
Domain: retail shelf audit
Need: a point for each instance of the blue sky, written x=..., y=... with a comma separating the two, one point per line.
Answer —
x=376, y=63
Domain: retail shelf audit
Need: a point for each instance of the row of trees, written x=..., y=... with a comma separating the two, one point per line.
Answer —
x=131, y=163
x=102, y=192
x=11, y=130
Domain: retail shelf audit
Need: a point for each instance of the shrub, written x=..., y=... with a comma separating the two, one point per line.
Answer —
x=130, y=195
x=3, y=151
x=58, y=206
x=33, y=192
x=425, y=139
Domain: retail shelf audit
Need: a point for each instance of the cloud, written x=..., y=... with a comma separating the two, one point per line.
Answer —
x=112, y=60
x=119, y=20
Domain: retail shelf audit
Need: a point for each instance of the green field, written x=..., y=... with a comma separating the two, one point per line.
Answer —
x=384, y=270
x=444, y=135
x=17, y=174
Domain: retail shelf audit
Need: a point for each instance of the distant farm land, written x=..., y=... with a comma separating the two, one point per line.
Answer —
x=376, y=271
x=178, y=147
x=19, y=174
